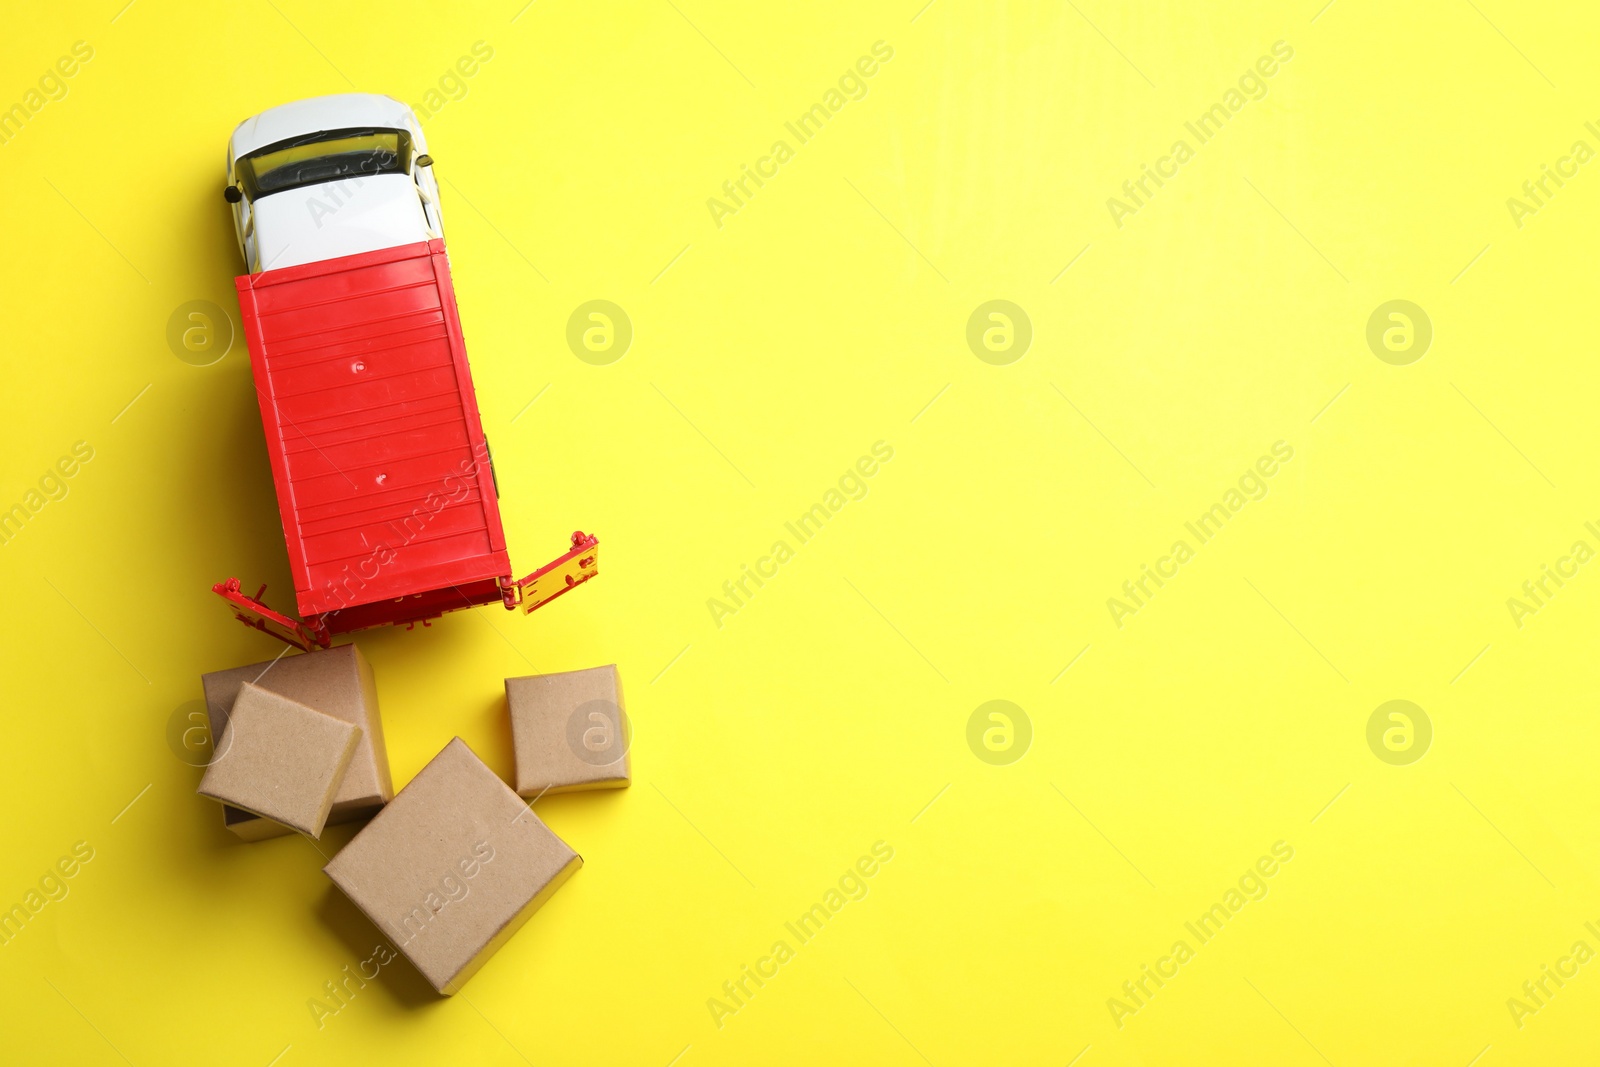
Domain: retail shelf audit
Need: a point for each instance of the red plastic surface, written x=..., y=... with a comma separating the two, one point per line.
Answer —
x=377, y=449
x=256, y=615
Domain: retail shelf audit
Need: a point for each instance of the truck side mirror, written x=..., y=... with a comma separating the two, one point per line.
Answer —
x=232, y=194
x=424, y=160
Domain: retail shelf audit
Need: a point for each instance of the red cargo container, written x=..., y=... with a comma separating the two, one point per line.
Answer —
x=385, y=482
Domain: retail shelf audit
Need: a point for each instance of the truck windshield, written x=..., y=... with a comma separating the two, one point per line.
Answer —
x=329, y=156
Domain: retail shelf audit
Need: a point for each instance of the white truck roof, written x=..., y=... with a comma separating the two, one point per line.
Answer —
x=337, y=112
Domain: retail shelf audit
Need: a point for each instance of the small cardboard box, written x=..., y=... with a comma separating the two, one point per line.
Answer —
x=281, y=760
x=570, y=731
x=452, y=867
x=335, y=681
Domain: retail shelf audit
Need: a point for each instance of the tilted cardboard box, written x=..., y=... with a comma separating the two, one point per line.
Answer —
x=280, y=760
x=335, y=681
x=452, y=867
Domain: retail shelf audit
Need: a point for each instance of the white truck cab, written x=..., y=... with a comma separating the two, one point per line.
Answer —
x=330, y=176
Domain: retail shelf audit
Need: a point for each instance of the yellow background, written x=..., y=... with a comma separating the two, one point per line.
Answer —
x=831, y=711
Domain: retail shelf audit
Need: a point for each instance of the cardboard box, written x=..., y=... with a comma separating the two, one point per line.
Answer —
x=280, y=760
x=570, y=731
x=452, y=867
x=335, y=681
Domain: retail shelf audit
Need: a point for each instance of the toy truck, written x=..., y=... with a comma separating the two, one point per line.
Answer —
x=384, y=479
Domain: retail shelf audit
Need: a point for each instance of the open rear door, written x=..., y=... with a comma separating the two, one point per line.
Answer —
x=253, y=613
x=561, y=575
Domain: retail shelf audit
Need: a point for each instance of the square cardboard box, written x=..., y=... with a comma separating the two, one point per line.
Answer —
x=335, y=681
x=452, y=867
x=570, y=731
x=280, y=760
